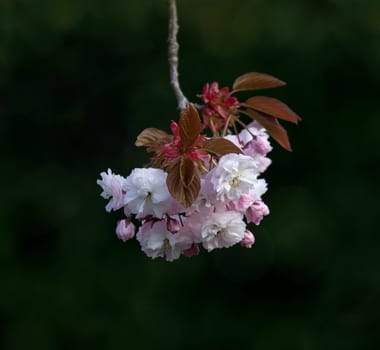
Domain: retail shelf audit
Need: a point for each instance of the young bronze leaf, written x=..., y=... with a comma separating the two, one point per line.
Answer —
x=220, y=146
x=256, y=81
x=273, y=107
x=186, y=171
x=189, y=126
x=149, y=135
x=173, y=181
x=183, y=183
x=273, y=127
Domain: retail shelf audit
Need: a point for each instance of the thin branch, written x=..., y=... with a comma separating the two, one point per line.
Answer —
x=173, y=55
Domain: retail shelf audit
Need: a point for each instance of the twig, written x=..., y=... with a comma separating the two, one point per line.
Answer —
x=173, y=55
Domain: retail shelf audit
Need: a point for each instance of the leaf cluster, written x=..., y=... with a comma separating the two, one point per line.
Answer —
x=187, y=153
x=183, y=179
x=266, y=110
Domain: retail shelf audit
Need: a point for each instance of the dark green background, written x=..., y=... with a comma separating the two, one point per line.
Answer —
x=80, y=79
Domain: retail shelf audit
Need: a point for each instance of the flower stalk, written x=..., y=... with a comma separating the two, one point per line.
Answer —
x=173, y=48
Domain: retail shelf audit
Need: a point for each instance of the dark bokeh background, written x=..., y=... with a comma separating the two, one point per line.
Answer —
x=78, y=81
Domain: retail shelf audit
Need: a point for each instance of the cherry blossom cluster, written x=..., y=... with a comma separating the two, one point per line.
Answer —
x=229, y=196
x=203, y=184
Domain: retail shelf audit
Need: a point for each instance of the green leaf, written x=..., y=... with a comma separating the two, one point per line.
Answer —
x=273, y=107
x=256, y=81
x=220, y=146
x=273, y=127
x=189, y=126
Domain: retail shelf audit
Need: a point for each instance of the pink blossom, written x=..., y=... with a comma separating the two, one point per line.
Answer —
x=246, y=200
x=262, y=145
x=192, y=223
x=221, y=229
x=262, y=163
x=205, y=198
x=254, y=140
x=234, y=175
x=125, y=230
x=256, y=212
x=248, y=240
x=257, y=129
x=243, y=203
x=112, y=186
x=157, y=241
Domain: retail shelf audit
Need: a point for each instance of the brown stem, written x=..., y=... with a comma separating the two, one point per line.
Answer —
x=173, y=55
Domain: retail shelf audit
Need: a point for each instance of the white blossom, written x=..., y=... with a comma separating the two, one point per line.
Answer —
x=112, y=186
x=157, y=241
x=262, y=162
x=147, y=193
x=234, y=175
x=255, y=129
x=259, y=189
x=221, y=229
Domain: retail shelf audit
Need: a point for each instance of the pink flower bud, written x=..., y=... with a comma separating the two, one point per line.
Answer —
x=173, y=225
x=244, y=202
x=125, y=230
x=214, y=88
x=248, y=239
x=169, y=151
x=174, y=128
x=262, y=145
x=193, y=250
x=256, y=212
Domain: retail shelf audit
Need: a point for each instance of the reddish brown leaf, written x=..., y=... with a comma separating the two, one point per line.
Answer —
x=183, y=182
x=186, y=171
x=220, y=146
x=273, y=127
x=148, y=136
x=273, y=107
x=256, y=81
x=189, y=126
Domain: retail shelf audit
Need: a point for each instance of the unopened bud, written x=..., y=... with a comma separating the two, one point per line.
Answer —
x=256, y=212
x=125, y=230
x=173, y=225
x=192, y=251
x=248, y=239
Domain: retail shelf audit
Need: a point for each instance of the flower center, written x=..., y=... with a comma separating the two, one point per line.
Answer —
x=235, y=181
x=216, y=230
x=166, y=245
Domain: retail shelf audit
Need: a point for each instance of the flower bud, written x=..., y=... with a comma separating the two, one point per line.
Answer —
x=248, y=239
x=125, y=230
x=256, y=212
x=173, y=225
x=241, y=204
x=174, y=127
x=262, y=145
x=192, y=251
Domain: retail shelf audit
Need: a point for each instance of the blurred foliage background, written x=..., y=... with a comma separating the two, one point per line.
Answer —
x=80, y=79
